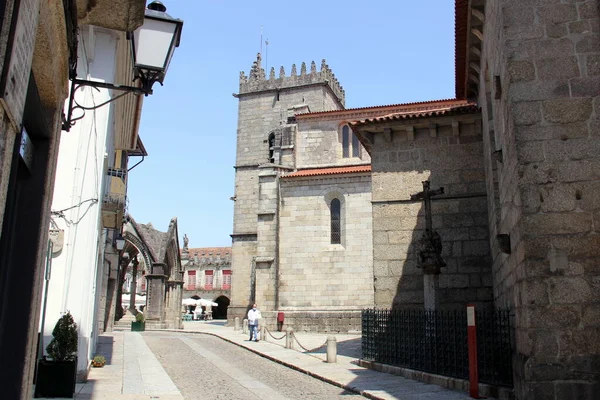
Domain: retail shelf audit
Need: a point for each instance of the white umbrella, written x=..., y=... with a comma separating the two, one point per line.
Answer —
x=207, y=303
x=190, y=302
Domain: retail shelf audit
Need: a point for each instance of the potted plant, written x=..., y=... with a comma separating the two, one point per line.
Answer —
x=98, y=361
x=56, y=377
x=140, y=323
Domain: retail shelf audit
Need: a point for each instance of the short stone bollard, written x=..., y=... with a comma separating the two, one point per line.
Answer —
x=236, y=326
x=331, y=349
x=289, y=342
x=263, y=333
x=245, y=325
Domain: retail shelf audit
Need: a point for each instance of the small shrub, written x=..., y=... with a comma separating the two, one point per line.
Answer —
x=98, y=359
x=139, y=317
x=63, y=346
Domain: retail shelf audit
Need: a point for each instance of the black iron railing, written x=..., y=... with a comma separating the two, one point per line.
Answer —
x=436, y=342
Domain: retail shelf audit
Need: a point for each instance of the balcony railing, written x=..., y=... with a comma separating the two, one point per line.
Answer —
x=118, y=172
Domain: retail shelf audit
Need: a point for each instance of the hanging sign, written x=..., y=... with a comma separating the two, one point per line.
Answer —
x=57, y=237
x=26, y=150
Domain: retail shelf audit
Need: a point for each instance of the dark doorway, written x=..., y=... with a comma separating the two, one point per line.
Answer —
x=220, y=312
x=24, y=224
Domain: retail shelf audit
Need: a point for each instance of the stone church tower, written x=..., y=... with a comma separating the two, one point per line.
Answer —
x=269, y=147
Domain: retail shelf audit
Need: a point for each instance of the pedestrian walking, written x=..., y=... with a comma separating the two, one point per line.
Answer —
x=253, y=318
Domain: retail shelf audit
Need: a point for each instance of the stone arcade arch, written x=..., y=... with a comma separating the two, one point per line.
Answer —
x=163, y=271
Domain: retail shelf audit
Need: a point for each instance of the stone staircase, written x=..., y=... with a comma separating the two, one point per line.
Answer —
x=125, y=322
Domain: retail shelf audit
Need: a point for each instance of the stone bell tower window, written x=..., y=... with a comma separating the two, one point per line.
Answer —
x=271, y=147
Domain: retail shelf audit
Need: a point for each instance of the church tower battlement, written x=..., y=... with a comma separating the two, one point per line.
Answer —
x=257, y=80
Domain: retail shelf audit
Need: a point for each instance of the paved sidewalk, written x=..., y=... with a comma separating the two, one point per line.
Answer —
x=132, y=371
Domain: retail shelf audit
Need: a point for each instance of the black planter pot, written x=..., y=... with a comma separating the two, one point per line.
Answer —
x=55, y=378
x=138, y=326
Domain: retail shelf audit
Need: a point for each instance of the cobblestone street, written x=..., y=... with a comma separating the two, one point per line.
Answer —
x=206, y=367
x=212, y=361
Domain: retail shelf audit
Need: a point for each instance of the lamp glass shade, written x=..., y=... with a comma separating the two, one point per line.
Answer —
x=153, y=44
x=120, y=243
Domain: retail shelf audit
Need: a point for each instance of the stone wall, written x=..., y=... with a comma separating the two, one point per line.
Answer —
x=341, y=321
x=450, y=158
x=313, y=272
x=7, y=142
x=541, y=84
x=320, y=143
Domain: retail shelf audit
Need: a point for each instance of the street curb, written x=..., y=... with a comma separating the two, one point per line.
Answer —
x=312, y=374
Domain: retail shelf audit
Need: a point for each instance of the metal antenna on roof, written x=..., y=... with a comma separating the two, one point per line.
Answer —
x=267, y=54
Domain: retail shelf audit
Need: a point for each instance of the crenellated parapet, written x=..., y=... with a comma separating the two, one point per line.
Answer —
x=257, y=80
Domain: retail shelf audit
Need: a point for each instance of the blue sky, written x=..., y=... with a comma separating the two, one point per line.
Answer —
x=382, y=52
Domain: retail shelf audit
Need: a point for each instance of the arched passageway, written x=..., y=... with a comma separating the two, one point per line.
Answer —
x=220, y=312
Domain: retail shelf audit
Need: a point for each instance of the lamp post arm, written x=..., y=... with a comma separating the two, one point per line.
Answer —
x=104, y=85
x=69, y=121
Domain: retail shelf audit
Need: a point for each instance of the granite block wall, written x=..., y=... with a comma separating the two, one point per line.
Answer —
x=314, y=273
x=542, y=112
x=400, y=165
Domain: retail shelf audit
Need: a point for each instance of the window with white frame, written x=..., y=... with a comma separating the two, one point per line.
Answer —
x=208, y=279
x=191, y=280
x=226, y=279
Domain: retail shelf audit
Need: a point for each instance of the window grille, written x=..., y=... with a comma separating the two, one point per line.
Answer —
x=286, y=139
x=335, y=210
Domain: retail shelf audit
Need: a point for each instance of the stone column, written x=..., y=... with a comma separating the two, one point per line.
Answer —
x=155, y=285
x=173, y=307
x=133, y=287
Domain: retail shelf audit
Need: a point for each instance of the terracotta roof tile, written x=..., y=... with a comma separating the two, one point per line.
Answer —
x=379, y=110
x=460, y=107
x=210, y=251
x=329, y=171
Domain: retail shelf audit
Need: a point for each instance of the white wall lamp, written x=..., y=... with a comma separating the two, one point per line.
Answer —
x=152, y=47
x=119, y=242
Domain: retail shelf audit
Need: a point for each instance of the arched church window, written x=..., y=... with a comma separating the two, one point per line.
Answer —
x=350, y=143
x=336, y=221
x=271, y=147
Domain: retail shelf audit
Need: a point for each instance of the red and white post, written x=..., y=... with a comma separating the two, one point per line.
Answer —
x=472, y=344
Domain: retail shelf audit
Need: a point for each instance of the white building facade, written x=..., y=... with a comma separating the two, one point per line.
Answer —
x=90, y=191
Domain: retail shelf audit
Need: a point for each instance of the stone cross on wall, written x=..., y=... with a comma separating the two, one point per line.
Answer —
x=430, y=249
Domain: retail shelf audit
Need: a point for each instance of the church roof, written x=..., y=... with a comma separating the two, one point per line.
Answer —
x=329, y=171
x=210, y=251
x=461, y=21
x=153, y=238
x=457, y=107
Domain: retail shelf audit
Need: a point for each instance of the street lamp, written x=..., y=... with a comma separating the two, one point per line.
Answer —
x=119, y=242
x=152, y=47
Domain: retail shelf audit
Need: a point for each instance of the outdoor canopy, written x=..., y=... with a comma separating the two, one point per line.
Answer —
x=199, y=302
